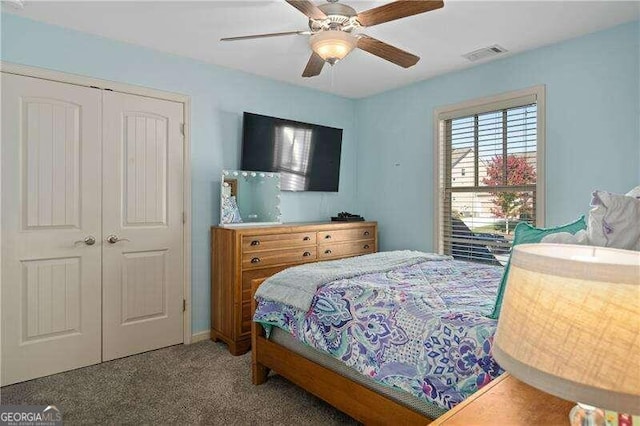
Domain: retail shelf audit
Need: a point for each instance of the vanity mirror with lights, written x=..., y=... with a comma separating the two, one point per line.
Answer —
x=249, y=198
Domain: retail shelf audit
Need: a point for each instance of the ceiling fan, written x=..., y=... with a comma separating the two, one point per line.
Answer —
x=333, y=29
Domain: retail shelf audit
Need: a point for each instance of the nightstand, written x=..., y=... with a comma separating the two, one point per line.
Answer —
x=508, y=401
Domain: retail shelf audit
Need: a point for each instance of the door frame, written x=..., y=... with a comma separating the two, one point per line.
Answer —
x=95, y=83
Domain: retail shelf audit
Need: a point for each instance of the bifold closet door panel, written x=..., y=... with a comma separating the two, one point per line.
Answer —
x=142, y=224
x=51, y=231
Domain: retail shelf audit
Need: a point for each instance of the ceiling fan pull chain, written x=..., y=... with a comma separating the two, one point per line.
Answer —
x=332, y=71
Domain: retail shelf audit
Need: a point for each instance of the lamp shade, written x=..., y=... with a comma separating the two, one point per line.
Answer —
x=332, y=45
x=570, y=323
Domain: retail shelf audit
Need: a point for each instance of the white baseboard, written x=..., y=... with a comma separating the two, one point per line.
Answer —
x=200, y=336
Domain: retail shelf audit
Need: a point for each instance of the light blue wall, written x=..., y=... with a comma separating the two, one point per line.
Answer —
x=218, y=98
x=593, y=126
x=592, y=138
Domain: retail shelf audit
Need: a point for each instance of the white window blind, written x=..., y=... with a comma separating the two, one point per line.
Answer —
x=292, y=154
x=488, y=178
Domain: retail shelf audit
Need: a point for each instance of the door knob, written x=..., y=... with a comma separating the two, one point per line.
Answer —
x=112, y=239
x=89, y=240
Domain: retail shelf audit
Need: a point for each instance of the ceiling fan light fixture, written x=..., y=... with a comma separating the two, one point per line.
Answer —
x=333, y=45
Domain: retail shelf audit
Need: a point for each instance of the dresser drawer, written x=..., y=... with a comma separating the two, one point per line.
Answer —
x=328, y=251
x=251, y=243
x=364, y=233
x=275, y=257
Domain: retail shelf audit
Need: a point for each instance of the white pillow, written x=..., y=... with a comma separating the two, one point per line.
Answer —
x=635, y=192
x=614, y=221
x=580, y=238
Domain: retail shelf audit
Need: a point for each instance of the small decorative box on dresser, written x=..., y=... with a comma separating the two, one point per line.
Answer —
x=240, y=255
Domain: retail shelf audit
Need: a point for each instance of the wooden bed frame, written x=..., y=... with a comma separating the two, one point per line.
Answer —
x=352, y=398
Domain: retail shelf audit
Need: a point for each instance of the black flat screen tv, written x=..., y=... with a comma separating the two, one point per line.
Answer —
x=307, y=156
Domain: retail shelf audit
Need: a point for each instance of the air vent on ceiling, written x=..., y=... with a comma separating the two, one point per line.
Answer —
x=485, y=52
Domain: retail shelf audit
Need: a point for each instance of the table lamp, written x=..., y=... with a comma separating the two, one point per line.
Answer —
x=570, y=326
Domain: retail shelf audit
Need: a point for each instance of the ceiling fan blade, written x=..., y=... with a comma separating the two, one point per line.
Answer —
x=248, y=37
x=396, y=10
x=308, y=8
x=386, y=51
x=314, y=66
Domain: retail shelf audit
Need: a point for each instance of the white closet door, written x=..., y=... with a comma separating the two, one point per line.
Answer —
x=51, y=180
x=142, y=224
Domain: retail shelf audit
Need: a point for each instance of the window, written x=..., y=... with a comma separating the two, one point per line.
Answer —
x=292, y=153
x=489, y=174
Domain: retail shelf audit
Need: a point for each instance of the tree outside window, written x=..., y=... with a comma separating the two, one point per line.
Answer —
x=511, y=205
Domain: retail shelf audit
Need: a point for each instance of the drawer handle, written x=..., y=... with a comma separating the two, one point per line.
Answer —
x=306, y=254
x=366, y=233
x=306, y=238
x=255, y=243
x=255, y=260
x=327, y=251
x=366, y=246
x=327, y=237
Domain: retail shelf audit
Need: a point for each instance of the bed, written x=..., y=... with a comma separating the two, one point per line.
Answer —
x=397, y=343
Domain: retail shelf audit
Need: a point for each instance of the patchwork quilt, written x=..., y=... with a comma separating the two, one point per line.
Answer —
x=421, y=328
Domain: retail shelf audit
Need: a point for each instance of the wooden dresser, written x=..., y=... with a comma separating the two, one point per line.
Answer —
x=240, y=255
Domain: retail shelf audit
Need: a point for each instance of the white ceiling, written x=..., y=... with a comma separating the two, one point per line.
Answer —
x=440, y=37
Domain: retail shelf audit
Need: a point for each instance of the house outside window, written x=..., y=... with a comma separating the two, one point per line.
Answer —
x=489, y=173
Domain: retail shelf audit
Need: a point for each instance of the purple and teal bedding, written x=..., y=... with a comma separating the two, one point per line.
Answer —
x=422, y=328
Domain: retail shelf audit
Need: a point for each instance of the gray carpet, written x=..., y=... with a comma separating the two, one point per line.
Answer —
x=196, y=384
